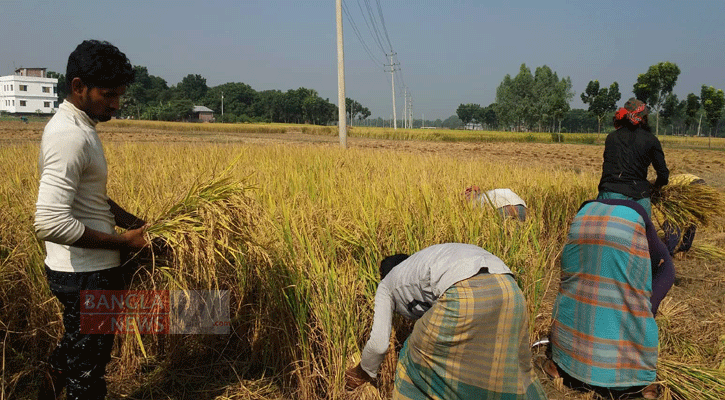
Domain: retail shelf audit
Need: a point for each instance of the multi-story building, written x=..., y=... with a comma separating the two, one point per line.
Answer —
x=29, y=91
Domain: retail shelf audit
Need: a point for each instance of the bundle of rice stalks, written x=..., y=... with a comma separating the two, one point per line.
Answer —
x=682, y=204
x=707, y=251
x=687, y=382
x=205, y=232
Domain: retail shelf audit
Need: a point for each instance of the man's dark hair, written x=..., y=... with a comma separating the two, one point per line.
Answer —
x=99, y=64
x=389, y=262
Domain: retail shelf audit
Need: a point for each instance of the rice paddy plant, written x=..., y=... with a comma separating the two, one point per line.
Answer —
x=681, y=204
x=685, y=381
x=197, y=127
x=297, y=233
x=706, y=251
x=444, y=135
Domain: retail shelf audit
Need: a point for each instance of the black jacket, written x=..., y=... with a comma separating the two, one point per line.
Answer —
x=627, y=156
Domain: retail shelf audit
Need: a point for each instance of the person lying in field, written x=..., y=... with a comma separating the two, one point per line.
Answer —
x=615, y=271
x=470, y=339
x=508, y=203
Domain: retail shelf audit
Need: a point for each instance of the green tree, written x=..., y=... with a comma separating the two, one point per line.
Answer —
x=673, y=111
x=269, y=106
x=487, y=116
x=175, y=110
x=239, y=99
x=551, y=96
x=653, y=86
x=527, y=100
x=318, y=111
x=504, y=105
x=467, y=112
x=146, y=90
x=353, y=109
x=562, y=97
x=292, y=104
x=579, y=120
x=193, y=87
x=452, y=122
x=545, y=86
x=62, y=87
x=691, y=109
x=713, y=101
x=524, y=98
x=601, y=100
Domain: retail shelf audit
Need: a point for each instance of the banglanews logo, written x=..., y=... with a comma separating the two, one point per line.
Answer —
x=155, y=312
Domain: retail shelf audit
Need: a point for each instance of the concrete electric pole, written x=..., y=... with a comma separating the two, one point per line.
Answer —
x=341, y=116
x=392, y=80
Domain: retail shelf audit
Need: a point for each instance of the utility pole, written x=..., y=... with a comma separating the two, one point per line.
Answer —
x=341, y=116
x=392, y=80
x=222, y=106
x=405, y=122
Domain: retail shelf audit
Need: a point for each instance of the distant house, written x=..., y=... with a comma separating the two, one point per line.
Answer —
x=29, y=91
x=202, y=114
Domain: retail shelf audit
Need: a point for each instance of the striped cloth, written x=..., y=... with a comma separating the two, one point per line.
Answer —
x=603, y=331
x=472, y=344
x=645, y=202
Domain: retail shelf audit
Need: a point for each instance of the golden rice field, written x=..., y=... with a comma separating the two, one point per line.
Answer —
x=310, y=228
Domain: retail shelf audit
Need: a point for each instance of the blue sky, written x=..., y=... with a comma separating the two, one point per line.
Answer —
x=450, y=51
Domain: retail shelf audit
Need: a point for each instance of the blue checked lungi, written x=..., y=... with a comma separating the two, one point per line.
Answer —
x=603, y=331
x=472, y=344
x=645, y=202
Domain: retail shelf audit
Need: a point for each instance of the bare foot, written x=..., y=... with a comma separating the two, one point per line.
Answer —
x=652, y=391
x=550, y=369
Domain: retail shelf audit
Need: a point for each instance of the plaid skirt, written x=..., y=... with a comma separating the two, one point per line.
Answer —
x=472, y=344
x=603, y=331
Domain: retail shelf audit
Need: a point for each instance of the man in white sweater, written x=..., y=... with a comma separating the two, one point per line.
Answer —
x=470, y=339
x=76, y=218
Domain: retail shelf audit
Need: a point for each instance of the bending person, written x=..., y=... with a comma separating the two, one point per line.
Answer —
x=508, y=203
x=615, y=273
x=470, y=339
x=628, y=153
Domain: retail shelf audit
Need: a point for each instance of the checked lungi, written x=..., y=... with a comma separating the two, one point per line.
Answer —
x=472, y=344
x=603, y=331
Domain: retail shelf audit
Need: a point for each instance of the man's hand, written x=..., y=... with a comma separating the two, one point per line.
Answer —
x=135, y=238
x=355, y=377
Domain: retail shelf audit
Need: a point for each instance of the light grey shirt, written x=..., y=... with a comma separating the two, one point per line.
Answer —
x=501, y=197
x=72, y=192
x=414, y=285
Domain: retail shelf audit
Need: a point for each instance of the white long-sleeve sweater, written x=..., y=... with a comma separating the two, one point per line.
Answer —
x=72, y=192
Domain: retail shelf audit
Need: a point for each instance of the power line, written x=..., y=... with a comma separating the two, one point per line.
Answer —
x=359, y=36
x=375, y=31
x=375, y=22
x=382, y=20
x=370, y=23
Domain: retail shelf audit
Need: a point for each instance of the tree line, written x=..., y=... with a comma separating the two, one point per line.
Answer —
x=540, y=101
x=151, y=98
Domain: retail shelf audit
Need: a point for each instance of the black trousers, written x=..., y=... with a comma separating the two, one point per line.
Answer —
x=81, y=359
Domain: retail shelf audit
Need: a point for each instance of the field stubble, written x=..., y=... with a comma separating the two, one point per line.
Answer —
x=319, y=219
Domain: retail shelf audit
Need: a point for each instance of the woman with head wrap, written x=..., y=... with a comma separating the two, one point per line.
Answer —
x=628, y=153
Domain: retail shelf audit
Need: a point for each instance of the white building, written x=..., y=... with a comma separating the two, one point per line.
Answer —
x=29, y=91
